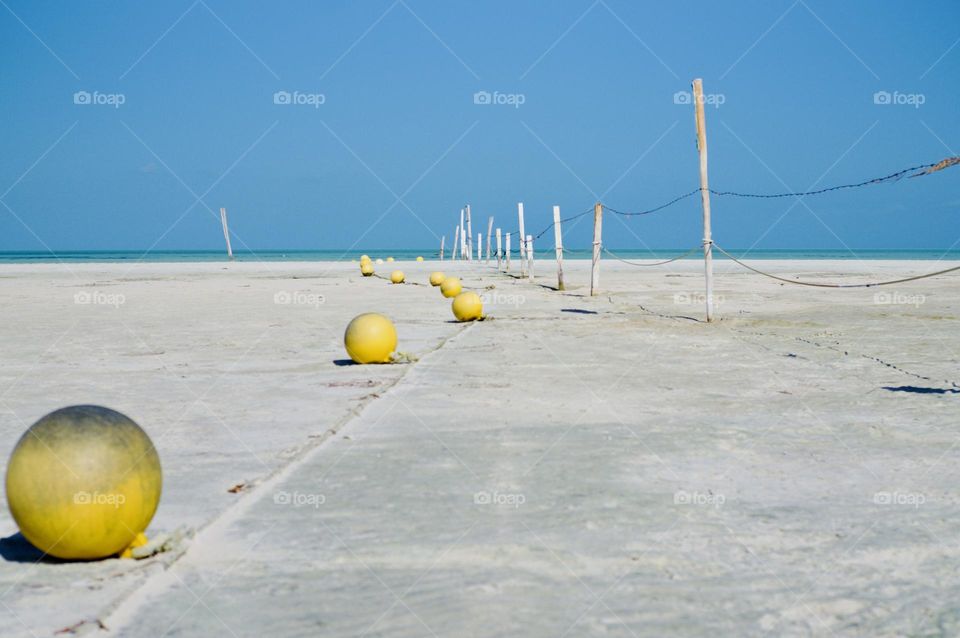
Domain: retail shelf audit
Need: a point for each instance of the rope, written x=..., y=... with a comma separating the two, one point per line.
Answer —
x=659, y=263
x=653, y=210
x=822, y=285
x=924, y=169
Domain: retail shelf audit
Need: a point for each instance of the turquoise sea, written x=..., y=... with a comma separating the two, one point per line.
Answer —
x=410, y=255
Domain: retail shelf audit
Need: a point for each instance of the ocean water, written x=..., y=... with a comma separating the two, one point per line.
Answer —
x=410, y=255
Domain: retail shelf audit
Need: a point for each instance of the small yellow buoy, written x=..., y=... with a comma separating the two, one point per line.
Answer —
x=390, y=259
x=436, y=278
x=397, y=276
x=379, y=261
x=467, y=306
x=419, y=258
x=451, y=287
x=370, y=338
x=83, y=482
x=366, y=268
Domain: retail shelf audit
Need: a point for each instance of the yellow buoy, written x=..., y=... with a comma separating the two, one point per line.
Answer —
x=366, y=268
x=389, y=258
x=419, y=258
x=436, y=278
x=83, y=482
x=451, y=287
x=379, y=261
x=370, y=338
x=397, y=276
x=467, y=306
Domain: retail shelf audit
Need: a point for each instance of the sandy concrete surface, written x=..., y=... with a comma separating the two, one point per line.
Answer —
x=608, y=466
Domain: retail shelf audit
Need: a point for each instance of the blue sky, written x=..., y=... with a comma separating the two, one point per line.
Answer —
x=398, y=145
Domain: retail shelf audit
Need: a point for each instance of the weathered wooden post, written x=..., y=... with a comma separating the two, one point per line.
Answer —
x=558, y=243
x=463, y=233
x=597, y=243
x=469, y=235
x=507, y=249
x=226, y=231
x=530, y=257
x=499, y=250
x=479, y=246
x=523, y=248
x=704, y=193
x=489, y=237
x=456, y=242
x=442, y=239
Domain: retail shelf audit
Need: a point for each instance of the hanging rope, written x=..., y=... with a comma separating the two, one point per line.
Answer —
x=822, y=285
x=658, y=263
x=653, y=210
x=918, y=171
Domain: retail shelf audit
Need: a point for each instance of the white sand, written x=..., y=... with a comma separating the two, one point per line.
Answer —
x=648, y=474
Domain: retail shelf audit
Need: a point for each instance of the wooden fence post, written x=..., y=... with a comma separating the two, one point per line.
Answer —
x=456, y=242
x=479, y=246
x=226, y=231
x=463, y=235
x=597, y=244
x=523, y=247
x=558, y=243
x=704, y=193
x=530, y=256
x=442, y=240
x=489, y=237
x=499, y=250
x=469, y=235
x=507, y=248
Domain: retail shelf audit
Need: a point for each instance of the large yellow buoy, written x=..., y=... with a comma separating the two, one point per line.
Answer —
x=397, y=277
x=419, y=258
x=83, y=482
x=436, y=278
x=467, y=306
x=451, y=287
x=370, y=338
x=366, y=268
